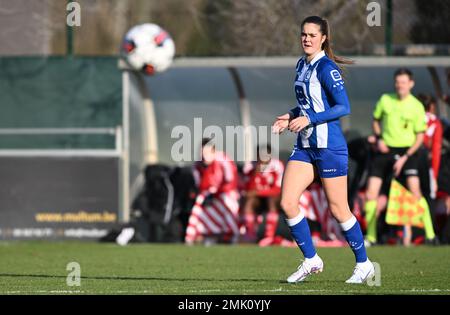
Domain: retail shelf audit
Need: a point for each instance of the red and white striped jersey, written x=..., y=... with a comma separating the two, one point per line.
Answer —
x=433, y=141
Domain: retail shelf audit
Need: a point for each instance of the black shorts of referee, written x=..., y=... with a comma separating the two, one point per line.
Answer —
x=382, y=164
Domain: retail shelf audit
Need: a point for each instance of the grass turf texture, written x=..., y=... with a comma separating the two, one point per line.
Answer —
x=40, y=268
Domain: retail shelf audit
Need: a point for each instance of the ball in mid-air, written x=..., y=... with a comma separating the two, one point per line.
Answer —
x=148, y=48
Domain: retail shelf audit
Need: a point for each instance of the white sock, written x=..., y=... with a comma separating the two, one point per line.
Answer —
x=296, y=220
x=347, y=225
x=315, y=257
x=364, y=263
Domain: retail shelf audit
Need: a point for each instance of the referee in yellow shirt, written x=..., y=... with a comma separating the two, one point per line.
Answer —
x=398, y=126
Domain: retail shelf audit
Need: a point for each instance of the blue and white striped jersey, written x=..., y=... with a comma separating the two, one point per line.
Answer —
x=321, y=96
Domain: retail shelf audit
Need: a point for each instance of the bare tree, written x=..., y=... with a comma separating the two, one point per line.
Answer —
x=272, y=27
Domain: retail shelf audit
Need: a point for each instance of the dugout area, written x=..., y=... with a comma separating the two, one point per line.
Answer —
x=76, y=133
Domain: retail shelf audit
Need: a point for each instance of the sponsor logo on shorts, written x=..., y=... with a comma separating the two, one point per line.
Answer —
x=411, y=172
x=329, y=170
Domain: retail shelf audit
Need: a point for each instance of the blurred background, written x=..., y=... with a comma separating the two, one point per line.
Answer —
x=226, y=27
x=81, y=134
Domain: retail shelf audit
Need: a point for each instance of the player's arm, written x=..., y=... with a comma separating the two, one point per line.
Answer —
x=196, y=173
x=376, y=128
x=436, y=149
x=376, y=137
x=209, y=187
x=420, y=126
x=209, y=183
x=331, y=81
x=417, y=144
x=377, y=115
x=402, y=160
x=283, y=121
x=294, y=113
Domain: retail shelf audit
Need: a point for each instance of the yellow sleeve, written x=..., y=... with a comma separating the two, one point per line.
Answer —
x=378, y=112
x=420, y=123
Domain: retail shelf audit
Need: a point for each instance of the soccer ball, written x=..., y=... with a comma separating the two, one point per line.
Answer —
x=148, y=48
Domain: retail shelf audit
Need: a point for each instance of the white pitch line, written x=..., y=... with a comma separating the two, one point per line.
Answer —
x=213, y=290
x=314, y=290
x=42, y=291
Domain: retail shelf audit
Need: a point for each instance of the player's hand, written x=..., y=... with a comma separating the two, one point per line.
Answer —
x=297, y=124
x=372, y=139
x=398, y=165
x=280, y=124
x=382, y=147
x=200, y=199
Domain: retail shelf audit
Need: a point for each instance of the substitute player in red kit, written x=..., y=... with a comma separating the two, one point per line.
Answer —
x=216, y=209
x=263, y=186
x=432, y=139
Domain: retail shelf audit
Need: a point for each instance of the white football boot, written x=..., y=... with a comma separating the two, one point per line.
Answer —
x=306, y=268
x=362, y=272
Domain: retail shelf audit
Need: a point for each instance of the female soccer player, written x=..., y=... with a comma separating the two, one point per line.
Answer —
x=321, y=101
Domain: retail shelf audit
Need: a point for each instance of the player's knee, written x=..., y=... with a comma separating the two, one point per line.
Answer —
x=413, y=184
x=371, y=194
x=289, y=206
x=339, y=210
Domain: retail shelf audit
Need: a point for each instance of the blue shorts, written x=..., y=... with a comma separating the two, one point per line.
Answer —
x=329, y=162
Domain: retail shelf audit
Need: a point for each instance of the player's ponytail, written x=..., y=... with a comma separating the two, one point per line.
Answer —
x=326, y=46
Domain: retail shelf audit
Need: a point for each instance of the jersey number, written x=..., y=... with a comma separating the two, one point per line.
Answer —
x=300, y=93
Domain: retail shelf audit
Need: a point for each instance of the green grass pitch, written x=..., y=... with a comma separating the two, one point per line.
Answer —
x=40, y=268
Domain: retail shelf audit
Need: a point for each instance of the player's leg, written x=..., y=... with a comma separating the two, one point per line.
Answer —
x=273, y=203
x=380, y=163
x=335, y=187
x=407, y=235
x=413, y=184
x=200, y=224
x=228, y=203
x=336, y=191
x=370, y=207
x=297, y=177
x=192, y=231
x=411, y=170
x=251, y=202
x=271, y=217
